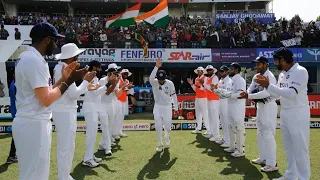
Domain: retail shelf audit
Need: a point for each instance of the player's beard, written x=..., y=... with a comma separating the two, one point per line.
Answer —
x=279, y=67
x=49, y=49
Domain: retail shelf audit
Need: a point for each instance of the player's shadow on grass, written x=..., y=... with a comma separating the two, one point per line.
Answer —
x=4, y=167
x=240, y=166
x=159, y=162
x=7, y=135
x=80, y=171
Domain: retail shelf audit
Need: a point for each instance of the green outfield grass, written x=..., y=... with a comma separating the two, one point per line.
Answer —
x=191, y=157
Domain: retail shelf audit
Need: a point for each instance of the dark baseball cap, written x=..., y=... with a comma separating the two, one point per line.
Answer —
x=44, y=29
x=161, y=75
x=94, y=63
x=261, y=59
x=236, y=65
x=283, y=52
x=224, y=68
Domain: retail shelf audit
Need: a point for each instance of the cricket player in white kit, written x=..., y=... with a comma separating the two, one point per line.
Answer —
x=32, y=127
x=201, y=103
x=295, y=113
x=64, y=111
x=266, y=116
x=213, y=103
x=122, y=103
x=109, y=100
x=93, y=111
x=223, y=106
x=164, y=93
x=236, y=112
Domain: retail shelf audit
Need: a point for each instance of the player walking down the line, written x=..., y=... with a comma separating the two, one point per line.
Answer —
x=93, y=111
x=213, y=103
x=122, y=102
x=236, y=112
x=201, y=104
x=108, y=100
x=64, y=111
x=266, y=116
x=295, y=113
x=32, y=127
x=223, y=106
x=164, y=93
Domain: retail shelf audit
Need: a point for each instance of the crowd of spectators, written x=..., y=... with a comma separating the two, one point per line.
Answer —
x=183, y=32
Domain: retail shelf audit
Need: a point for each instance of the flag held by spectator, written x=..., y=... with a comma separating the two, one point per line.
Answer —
x=159, y=16
x=124, y=19
x=143, y=43
x=292, y=42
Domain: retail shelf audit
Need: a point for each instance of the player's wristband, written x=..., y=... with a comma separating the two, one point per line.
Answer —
x=63, y=87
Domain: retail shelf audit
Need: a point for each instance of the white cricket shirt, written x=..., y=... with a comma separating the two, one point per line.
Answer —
x=223, y=85
x=69, y=99
x=237, y=85
x=31, y=72
x=112, y=96
x=163, y=94
x=292, y=87
x=263, y=93
x=92, y=99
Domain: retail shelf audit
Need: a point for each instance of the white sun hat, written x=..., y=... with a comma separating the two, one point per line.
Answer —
x=211, y=67
x=68, y=51
x=113, y=66
x=126, y=71
x=200, y=68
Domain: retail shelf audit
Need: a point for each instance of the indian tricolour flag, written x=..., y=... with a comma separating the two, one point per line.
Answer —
x=159, y=16
x=124, y=19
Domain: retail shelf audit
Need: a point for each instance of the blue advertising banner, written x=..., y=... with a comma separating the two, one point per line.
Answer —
x=233, y=55
x=263, y=17
x=267, y=52
x=311, y=54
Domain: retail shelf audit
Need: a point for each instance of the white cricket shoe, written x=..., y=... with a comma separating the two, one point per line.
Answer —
x=168, y=142
x=90, y=163
x=259, y=161
x=113, y=144
x=101, y=148
x=225, y=145
x=96, y=159
x=269, y=168
x=70, y=178
x=113, y=140
x=221, y=141
x=116, y=137
x=122, y=135
x=237, y=154
x=196, y=131
x=229, y=150
x=206, y=133
x=108, y=153
x=159, y=148
x=209, y=136
x=280, y=178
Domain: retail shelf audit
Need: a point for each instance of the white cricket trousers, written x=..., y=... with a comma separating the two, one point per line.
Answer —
x=32, y=139
x=266, y=129
x=107, y=123
x=92, y=119
x=213, y=114
x=202, y=113
x=66, y=127
x=236, y=114
x=295, y=127
x=223, y=112
x=163, y=118
x=119, y=117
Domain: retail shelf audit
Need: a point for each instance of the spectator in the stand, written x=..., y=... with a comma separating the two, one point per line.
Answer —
x=103, y=38
x=12, y=158
x=264, y=38
x=3, y=33
x=17, y=34
x=2, y=86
